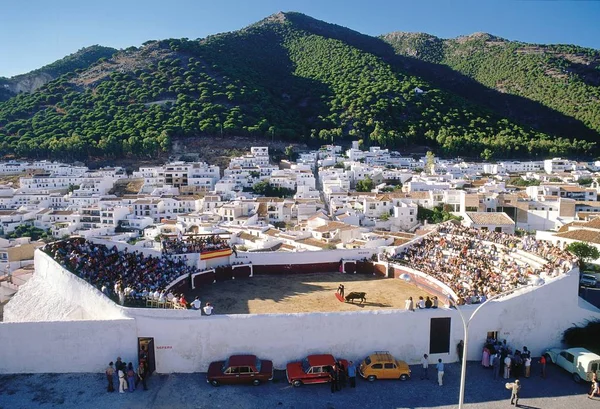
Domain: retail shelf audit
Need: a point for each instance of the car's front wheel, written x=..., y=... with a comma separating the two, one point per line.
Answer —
x=371, y=378
x=576, y=378
x=256, y=382
x=297, y=383
x=404, y=377
x=214, y=382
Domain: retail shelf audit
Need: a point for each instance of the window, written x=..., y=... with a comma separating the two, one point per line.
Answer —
x=389, y=366
x=245, y=369
x=377, y=366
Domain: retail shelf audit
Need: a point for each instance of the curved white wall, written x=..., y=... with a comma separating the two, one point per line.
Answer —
x=185, y=341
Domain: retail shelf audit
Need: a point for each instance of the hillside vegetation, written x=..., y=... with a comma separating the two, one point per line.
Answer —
x=565, y=78
x=286, y=77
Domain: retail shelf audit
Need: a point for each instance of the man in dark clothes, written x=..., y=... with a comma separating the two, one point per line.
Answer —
x=342, y=376
x=333, y=375
x=110, y=373
x=459, y=350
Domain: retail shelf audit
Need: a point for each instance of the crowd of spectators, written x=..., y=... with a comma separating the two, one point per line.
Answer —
x=125, y=276
x=478, y=264
x=193, y=244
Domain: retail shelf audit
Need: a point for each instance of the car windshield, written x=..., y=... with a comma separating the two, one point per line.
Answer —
x=305, y=365
x=589, y=276
x=258, y=364
x=367, y=361
x=225, y=365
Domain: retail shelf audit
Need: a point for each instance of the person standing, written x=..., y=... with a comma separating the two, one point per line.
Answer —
x=342, y=375
x=425, y=364
x=515, y=389
x=496, y=365
x=527, y=366
x=130, y=377
x=440, y=372
x=110, y=373
x=543, y=366
x=595, y=388
x=459, y=350
x=141, y=376
x=352, y=374
x=122, y=381
x=333, y=375
x=507, y=363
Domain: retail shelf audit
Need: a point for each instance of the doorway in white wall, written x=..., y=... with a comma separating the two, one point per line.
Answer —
x=146, y=354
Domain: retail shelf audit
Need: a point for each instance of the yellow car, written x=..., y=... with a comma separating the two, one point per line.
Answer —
x=382, y=365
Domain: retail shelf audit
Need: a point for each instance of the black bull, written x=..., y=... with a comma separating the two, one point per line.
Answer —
x=356, y=296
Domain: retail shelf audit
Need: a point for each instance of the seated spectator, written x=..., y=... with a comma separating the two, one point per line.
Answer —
x=196, y=304
x=208, y=309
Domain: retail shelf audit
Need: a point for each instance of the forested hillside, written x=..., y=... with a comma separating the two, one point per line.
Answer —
x=287, y=77
x=565, y=78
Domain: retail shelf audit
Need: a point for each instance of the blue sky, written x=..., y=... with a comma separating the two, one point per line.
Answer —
x=36, y=32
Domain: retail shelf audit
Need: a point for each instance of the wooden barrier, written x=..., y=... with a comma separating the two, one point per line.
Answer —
x=239, y=272
x=295, y=268
x=203, y=278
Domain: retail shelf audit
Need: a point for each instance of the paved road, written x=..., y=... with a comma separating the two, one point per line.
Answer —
x=182, y=391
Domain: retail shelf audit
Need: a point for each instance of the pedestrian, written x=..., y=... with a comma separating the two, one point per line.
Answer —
x=515, y=388
x=507, y=363
x=595, y=387
x=425, y=364
x=440, y=371
x=496, y=365
x=141, y=376
x=122, y=381
x=110, y=373
x=459, y=350
x=342, y=374
x=130, y=377
x=338, y=374
x=352, y=374
x=527, y=366
x=543, y=366
x=333, y=376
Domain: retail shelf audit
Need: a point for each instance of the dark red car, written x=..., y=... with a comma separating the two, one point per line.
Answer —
x=313, y=369
x=240, y=369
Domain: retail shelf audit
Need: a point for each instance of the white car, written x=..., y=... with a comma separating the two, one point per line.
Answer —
x=588, y=280
x=577, y=361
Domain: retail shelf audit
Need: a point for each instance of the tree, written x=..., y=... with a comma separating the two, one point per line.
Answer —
x=584, y=252
x=364, y=185
x=486, y=155
x=585, y=337
x=429, y=162
x=289, y=152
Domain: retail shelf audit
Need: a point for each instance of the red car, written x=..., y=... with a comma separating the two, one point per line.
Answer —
x=313, y=369
x=240, y=369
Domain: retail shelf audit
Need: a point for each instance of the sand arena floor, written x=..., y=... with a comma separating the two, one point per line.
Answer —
x=304, y=293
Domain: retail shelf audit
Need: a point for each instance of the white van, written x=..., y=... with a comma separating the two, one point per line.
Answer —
x=578, y=361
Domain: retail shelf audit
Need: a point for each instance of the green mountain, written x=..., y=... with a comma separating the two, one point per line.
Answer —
x=33, y=80
x=288, y=76
x=563, y=79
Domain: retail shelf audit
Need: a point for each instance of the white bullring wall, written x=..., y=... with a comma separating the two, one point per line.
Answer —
x=185, y=341
x=302, y=257
x=65, y=346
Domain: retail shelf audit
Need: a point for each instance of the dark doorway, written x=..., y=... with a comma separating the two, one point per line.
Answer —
x=146, y=353
x=439, y=336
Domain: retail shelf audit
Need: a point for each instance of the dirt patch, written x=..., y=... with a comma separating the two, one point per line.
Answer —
x=127, y=187
x=305, y=293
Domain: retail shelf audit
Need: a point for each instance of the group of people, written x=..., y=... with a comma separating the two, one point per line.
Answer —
x=478, y=264
x=340, y=376
x=128, y=378
x=193, y=244
x=507, y=363
x=125, y=276
x=439, y=367
x=422, y=303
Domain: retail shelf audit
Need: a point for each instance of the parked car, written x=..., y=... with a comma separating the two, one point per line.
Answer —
x=383, y=365
x=240, y=369
x=580, y=362
x=588, y=280
x=313, y=369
